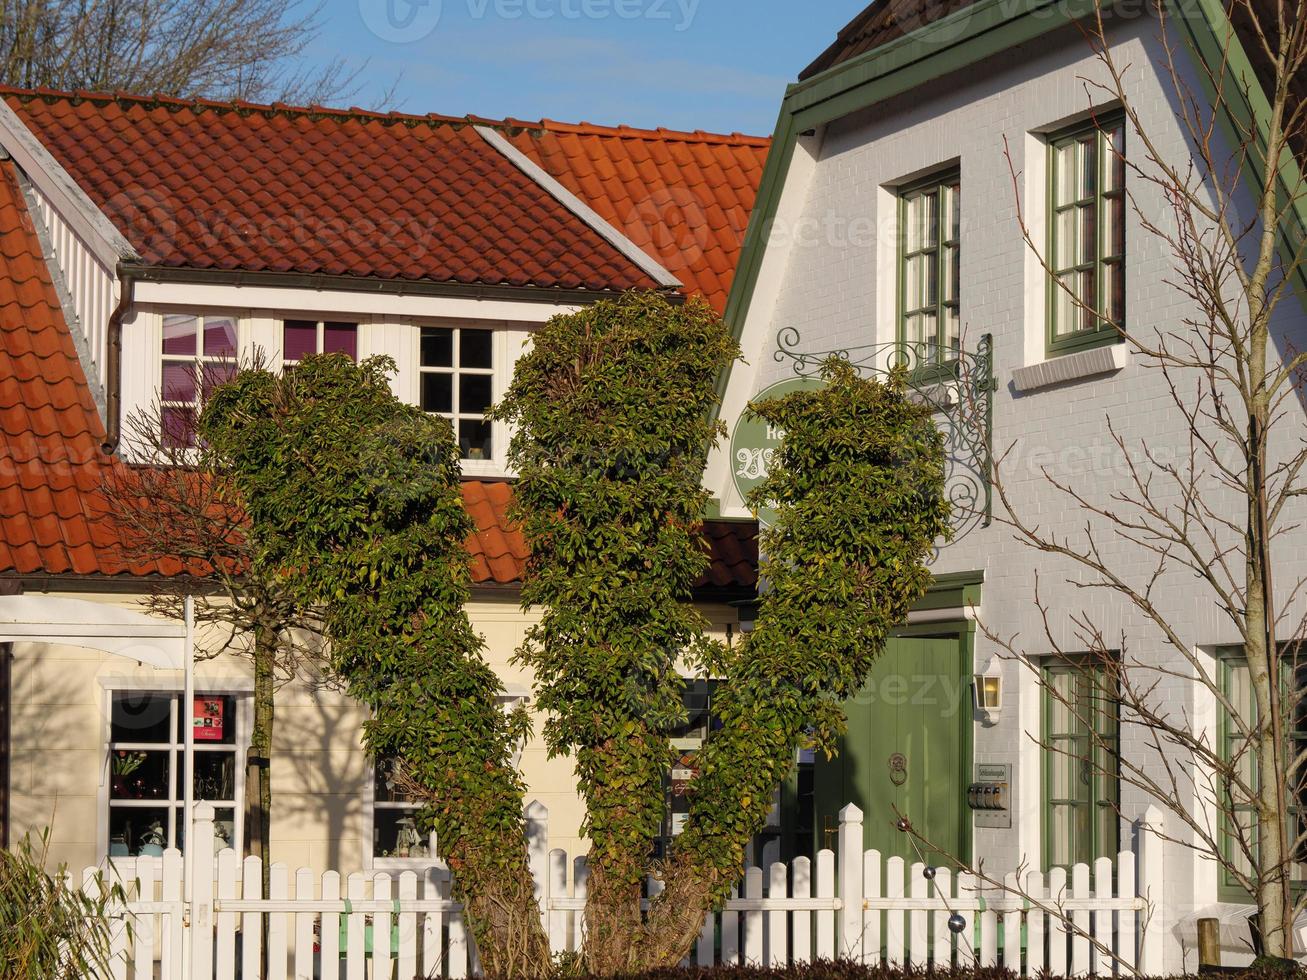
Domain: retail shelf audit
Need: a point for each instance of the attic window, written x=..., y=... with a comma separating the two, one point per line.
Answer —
x=300, y=338
x=457, y=378
x=199, y=353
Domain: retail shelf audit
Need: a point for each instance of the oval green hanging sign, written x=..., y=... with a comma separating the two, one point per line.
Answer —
x=753, y=442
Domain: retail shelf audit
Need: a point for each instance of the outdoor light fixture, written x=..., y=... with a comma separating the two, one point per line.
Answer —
x=989, y=693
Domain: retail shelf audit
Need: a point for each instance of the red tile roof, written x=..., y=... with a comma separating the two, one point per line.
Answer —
x=235, y=186
x=684, y=198
x=499, y=551
x=52, y=518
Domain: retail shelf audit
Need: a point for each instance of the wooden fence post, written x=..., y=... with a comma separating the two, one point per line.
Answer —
x=1152, y=887
x=850, y=889
x=537, y=850
x=201, y=930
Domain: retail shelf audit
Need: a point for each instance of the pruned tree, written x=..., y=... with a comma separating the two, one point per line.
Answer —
x=353, y=497
x=177, y=505
x=220, y=49
x=1220, y=514
x=613, y=408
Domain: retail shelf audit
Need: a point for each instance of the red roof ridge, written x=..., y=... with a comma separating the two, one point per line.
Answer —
x=200, y=104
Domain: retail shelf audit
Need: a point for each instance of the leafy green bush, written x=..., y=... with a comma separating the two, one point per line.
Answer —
x=50, y=928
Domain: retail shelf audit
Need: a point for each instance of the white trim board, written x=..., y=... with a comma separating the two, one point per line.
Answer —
x=578, y=207
x=55, y=183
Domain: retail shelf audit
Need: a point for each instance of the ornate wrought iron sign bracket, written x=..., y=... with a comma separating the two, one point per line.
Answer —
x=958, y=384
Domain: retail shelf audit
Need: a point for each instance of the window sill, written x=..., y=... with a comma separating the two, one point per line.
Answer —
x=1068, y=368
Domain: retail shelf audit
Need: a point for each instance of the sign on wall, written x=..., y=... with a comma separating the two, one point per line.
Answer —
x=754, y=442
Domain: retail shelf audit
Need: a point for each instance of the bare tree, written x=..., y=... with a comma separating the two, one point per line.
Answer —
x=1223, y=511
x=221, y=49
x=176, y=504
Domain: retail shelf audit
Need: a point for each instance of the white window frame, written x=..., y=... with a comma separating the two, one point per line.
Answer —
x=509, y=700
x=320, y=323
x=244, y=718
x=198, y=362
x=503, y=357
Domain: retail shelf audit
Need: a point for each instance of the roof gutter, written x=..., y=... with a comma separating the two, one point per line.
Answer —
x=113, y=361
x=362, y=284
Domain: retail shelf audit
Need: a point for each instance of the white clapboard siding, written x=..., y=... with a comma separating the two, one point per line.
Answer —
x=848, y=902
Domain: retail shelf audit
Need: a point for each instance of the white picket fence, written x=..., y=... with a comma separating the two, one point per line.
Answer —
x=847, y=903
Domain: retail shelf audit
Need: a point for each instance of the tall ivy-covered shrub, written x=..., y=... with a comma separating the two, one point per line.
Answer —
x=614, y=413
x=857, y=486
x=613, y=409
x=354, y=495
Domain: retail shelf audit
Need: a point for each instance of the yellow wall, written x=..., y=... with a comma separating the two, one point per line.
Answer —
x=320, y=772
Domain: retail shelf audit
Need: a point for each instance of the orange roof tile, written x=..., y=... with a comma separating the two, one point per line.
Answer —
x=683, y=198
x=237, y=186
x=52, y=518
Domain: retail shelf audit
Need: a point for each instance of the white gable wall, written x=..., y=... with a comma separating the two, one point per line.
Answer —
x=832, y=277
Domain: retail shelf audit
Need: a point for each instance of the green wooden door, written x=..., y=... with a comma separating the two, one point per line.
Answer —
x=907, y=751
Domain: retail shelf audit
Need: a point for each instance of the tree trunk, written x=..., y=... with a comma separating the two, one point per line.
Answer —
x=258, y=763
x=502, y=912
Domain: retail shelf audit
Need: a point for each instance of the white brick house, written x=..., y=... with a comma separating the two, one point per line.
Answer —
x=872, y=121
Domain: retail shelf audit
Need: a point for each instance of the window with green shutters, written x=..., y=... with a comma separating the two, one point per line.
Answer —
x=930, y=219
x=1081, y=775
x=1237, y=817
x=1087, y=240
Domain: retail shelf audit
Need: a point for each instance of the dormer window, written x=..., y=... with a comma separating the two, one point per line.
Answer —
x=457, y=375
x=300, y=338
x=199, y=353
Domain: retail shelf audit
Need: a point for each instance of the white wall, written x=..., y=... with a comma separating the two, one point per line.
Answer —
x=832, y=277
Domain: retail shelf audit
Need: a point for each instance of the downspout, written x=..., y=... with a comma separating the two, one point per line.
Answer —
x=113, y=363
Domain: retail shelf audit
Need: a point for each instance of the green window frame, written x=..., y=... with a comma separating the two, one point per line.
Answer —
x=930, y=251
x=1086, y=235
x=1233, y=678
x=1081, y=772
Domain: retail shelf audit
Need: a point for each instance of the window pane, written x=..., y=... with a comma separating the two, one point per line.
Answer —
x=930, y=218
x=1088, y=183
x=930, y=331
x=178, y=427
x=1114, y=226
x=1088, y=251
x=912, y=283
x=1065, y=162
x=385, y=788
x=914, y=215
x=215, y=777
x=340, y=338
x=953, y=329
x=953, y=215
x=1114, y=162
x=1064, y=303
x=299, y=338
x=395, y=834
x=138, y=775
x=474, y=439
x=137, y=831
x=178, y=381
x=219, y=337
x=214, y=375
x=951, y=270
x=437, y=347
x=474, y=348
x=1088, y=301
x=912, y=329
x=179, y=334
x=932, y=280
x=214, y=719
x=1066, y=238
x=1114, y=290
x=139, y=717
x=437, y=392
x=473, y=393
x=224, y=828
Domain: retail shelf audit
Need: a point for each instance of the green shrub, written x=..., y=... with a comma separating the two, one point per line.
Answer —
x=49, y=927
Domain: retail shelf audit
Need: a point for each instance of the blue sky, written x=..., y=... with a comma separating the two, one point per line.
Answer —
x=686, y=64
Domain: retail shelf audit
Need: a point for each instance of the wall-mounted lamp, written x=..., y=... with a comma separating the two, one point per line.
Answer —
x=989, y=693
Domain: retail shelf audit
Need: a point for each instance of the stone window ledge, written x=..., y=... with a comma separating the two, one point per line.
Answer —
x=1107, y=359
